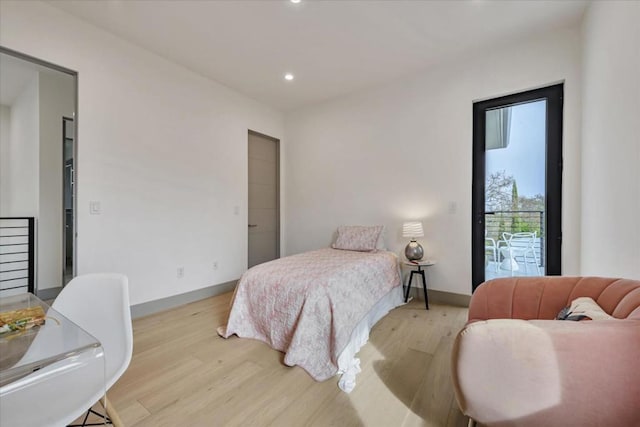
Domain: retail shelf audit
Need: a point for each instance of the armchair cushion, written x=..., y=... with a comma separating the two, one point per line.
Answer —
x=513, y=365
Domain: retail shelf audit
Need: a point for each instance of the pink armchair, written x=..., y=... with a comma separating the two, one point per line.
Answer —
x=514, y=365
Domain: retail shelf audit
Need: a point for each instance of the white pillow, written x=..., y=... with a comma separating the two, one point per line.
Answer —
x=586, y=306
x=358, y=238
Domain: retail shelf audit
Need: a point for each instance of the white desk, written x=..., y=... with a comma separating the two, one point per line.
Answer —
x=33, y=363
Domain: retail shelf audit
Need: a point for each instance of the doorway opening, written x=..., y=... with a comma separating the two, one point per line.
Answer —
x=68, y=198
x=517, y=185
x=33, y=163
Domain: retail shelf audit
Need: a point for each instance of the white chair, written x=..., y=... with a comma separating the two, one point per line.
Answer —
x=490, y=245
x=59, y=393
x=99, y=304
x=519, y=245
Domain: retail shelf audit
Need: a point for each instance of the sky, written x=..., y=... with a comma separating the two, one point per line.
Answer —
x=524, y=157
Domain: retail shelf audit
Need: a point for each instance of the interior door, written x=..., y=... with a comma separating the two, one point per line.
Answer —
x=264, y=212
x=517, y=185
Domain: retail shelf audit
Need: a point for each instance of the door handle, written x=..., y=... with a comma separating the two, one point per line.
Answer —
x=253, y=225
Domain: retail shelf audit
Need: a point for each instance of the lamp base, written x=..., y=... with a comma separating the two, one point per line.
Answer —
x=414, y=251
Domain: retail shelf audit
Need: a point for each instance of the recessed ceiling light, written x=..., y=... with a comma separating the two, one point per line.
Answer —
x=295, y=1
x=288, y=76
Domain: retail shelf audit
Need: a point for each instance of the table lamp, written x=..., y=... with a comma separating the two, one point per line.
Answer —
x=414, y=250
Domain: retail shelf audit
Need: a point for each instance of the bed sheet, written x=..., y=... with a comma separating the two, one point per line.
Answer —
x=308, y=305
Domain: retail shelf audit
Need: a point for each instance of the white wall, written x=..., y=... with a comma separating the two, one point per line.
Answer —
x=404, y=151
x=5, y=135
x=23, y=154
x=611, y=140
x=57, y=98
x=164, y=150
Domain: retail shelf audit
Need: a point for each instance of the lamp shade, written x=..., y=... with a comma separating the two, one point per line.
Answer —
x=412, y=229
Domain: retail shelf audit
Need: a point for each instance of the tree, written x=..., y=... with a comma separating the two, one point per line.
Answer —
x=516, y=221
x=498, y=195
x=534, y=203
x=534, y=221
x=498, y=189
x=501, y=194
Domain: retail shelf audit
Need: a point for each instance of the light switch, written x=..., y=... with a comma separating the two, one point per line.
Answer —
x=236, y=210
x=453, y=207
x=95, y=208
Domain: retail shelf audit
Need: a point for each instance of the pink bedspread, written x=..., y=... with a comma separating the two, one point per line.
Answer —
x=307, y=305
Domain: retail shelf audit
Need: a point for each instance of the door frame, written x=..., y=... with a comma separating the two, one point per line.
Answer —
x=73, y=201
x=554, y=96
x=76, y=103
x=277, y=141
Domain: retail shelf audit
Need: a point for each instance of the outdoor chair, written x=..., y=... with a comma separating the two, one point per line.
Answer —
x=490, y=246
x=516, y=245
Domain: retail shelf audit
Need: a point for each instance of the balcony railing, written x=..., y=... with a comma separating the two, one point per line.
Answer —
x=498, y=222
x=17, y=260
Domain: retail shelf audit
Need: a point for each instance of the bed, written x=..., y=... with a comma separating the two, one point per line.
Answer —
x=317, y=307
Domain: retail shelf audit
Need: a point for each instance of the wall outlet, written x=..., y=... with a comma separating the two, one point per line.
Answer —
x=215, y=265
x=180, y=272
x=95, y=208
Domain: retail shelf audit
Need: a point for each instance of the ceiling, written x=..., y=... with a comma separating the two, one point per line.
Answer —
x=332, y=47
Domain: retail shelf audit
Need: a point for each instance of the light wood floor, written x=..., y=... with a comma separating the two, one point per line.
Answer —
x=182, y=374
